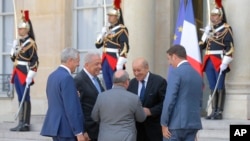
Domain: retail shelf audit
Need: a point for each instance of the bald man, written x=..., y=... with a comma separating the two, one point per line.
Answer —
x=151, y=89
x=117, y=110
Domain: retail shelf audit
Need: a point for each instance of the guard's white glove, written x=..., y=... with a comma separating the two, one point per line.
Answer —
x=101, y=35
x=14, y=47
x=225, y=62
x=223, y=67
x=121, y=61
x=206, y=33
x=31, y=74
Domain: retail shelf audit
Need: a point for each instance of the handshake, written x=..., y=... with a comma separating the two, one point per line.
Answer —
x=101, y=35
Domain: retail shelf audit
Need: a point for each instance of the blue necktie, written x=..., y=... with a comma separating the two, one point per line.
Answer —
x=142, y=91
x=97, y=84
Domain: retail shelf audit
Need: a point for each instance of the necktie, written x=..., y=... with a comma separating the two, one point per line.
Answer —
x=142, y=92
x=97, y=84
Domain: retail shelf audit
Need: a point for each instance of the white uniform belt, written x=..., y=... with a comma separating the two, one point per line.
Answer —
x=110, y=50
x=22, y=63
x=214, y=52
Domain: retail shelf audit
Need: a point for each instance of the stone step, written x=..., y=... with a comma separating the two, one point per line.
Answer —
x=218, y=130
x=221, y=134
x=19, y=136
x=33, y=126
x=36, y=123
x=211, y=139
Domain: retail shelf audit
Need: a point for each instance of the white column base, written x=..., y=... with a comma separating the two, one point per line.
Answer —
x=237, y=106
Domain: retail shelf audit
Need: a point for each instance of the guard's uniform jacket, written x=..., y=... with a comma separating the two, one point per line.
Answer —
x=218, y=44
x=25, y=59
x=115, y=44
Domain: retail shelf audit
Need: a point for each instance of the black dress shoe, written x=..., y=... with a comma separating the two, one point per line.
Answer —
x=21, y=127
x=17, y=128
x=218, y=116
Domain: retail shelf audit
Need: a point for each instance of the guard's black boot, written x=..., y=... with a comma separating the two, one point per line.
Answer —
x=27, y=111
x=214, y=105
x=221, y=101
x=20, y=122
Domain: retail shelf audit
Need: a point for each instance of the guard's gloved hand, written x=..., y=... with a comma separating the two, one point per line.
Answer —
x=14, y=47
x=206, y=33
x=121, y=61
x=31, y=74
x=223, y=67
x=225, y=62
x=101, y=35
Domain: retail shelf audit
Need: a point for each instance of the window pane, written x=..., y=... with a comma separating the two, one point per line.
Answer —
x=7, y=6
x=8, y=33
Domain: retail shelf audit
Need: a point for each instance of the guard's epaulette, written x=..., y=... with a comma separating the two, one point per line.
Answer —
x=122, y=26
x=226, y=25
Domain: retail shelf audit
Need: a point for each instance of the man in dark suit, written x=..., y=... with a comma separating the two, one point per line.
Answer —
x=180, y=117
x=151, y=89
x=64, y=118
x=89, y=86
x=117, y=110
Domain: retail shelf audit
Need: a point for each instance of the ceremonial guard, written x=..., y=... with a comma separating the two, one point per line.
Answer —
x=114, y=41
x=217, y=41
x=24, y=56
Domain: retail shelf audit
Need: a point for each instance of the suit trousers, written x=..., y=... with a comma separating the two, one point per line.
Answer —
x=182, y=135
x=64, y=139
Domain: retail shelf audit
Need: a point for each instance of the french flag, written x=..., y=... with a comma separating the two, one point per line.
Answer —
x=189, y=39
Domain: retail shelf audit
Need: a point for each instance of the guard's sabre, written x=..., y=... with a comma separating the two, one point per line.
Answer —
x=215, y=88
x=105, y=13
x=15, y=18
x=208, y=12
x=21, y=104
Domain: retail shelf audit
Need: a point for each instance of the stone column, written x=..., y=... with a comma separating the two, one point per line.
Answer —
x=164, y=26
x=237, y=104
x=139, y=17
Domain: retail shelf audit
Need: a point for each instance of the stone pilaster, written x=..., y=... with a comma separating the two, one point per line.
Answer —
x=139, y=17
x=237, y=104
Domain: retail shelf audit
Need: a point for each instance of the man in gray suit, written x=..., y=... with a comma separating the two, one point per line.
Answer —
x=180, y=117
x=117, y=110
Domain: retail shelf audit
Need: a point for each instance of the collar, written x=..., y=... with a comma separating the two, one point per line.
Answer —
x=183, y=61
x=112, y=26
x=63, y=66
x=146, y=79
x=22, y=40
x=89, y=75
x=218, y=25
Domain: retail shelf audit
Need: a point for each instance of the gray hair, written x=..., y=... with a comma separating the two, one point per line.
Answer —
x=69, y=53
x=88, y=56
x=120, y=78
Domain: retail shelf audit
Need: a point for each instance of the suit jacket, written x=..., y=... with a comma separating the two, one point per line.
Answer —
x=153, y=99
x=182, y=104
x=88, y=96
x=117, y=110
x=64, y=116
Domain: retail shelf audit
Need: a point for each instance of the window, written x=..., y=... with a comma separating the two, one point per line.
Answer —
x=88, y=22
x=6, y=39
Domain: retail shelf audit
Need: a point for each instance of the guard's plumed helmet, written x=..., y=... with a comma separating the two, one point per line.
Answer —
x=116, y=9
x=218, y=8
x=24, y=22
x=115, y=12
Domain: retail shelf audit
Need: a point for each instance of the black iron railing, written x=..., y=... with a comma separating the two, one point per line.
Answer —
x=6, y=88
